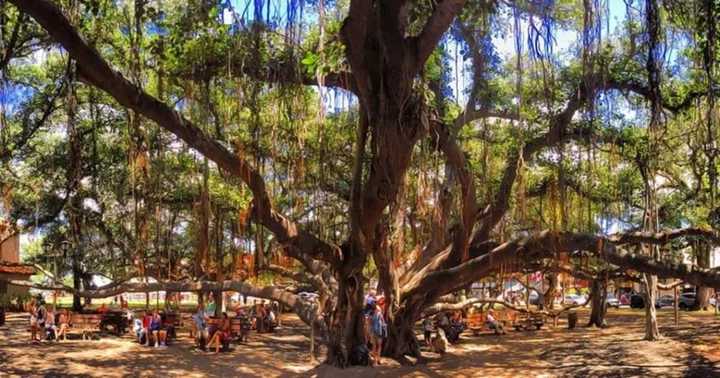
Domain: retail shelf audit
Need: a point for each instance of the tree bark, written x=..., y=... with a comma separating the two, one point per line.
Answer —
x=652, y=333
x=702, y=298
x=599, y=304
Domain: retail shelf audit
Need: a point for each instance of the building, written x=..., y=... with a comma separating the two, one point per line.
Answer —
x=12, y=269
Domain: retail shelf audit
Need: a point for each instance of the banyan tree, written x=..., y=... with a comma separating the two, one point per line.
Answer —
x=404, y=182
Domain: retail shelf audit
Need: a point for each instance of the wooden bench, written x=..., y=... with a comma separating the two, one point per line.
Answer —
x=86, y=325
x=172, y=322
x=476, y=322
x=529, y=321
x=117, y=321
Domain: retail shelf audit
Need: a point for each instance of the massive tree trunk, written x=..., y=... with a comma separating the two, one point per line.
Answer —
x=346, y=341
x=599, y=304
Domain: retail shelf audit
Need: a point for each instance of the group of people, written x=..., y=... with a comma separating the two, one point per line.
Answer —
x=451, y=323
x=201, y=320
x=151, y=330
x=42, y=323
x=375, y=325
x=262, y=318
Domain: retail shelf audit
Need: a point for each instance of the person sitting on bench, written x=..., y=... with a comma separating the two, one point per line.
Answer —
x=143, y=328
x=492, y=324
x=50, y=328
x=64, y=324
x=222, y=333
x=201, y=332
x=158, y=333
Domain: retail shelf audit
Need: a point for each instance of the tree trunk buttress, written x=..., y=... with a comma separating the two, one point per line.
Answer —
x=599, y=304
x=652, y=333
x=702, y=253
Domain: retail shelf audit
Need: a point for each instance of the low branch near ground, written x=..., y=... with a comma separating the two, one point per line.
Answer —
x=473, y=301
x=664, y=237
x=547, y=244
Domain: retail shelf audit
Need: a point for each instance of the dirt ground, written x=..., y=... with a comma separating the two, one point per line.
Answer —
x=691, y=349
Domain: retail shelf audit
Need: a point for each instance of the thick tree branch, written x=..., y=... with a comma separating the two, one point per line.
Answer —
x=95, y=70
x=545, y=245
x=443, y=15
x=450, y=306
x=664, y=237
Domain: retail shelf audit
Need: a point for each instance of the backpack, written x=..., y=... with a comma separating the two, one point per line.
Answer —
x=379, y=327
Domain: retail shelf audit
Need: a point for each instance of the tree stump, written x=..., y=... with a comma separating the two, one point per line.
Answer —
x=572, y=320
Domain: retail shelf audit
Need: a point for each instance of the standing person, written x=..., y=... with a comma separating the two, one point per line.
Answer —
x=370, y=297
x=32, y=310
x=41, y=315
x=253, y=314
x=378, y=331
x=427, y=327
x=380, y=301
x=211, y=304
x=201, y=332
x=261, y=317
x=116, y=300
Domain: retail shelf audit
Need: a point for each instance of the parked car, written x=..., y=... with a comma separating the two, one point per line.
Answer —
x=688, y=299
x=611, y=301
x=573, y=299
x=665, y=300
x=637, y=301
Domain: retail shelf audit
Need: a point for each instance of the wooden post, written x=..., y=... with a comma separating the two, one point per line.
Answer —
x=677, y=311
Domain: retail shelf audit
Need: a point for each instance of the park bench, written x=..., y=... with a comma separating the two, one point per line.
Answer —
x=476, y=322
x=529, y=321
x=115, y=321
x=87, y=325
x=240, y=326
x=172, y=321
x=238, y=330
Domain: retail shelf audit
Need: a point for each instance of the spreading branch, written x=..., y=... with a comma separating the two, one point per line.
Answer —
x=94, y=70
x=442, y=16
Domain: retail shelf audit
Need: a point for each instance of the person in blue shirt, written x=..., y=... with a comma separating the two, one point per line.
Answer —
x=201, y=332
x=156, y=327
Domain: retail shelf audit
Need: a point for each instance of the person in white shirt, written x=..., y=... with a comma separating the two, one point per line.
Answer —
x=492, y=324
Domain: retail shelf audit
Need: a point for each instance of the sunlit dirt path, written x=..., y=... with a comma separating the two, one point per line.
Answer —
x=691, y=349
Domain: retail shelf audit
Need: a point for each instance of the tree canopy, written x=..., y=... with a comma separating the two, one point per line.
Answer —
x=422, y=145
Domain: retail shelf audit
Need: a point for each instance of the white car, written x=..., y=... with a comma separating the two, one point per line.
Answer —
x=611, y=301
x=573, y=300
x=688, y=299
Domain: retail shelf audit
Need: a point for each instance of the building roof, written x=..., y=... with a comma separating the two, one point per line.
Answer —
x=11, y=268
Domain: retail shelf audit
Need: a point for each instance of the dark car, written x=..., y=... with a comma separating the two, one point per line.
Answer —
x=637, y=301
